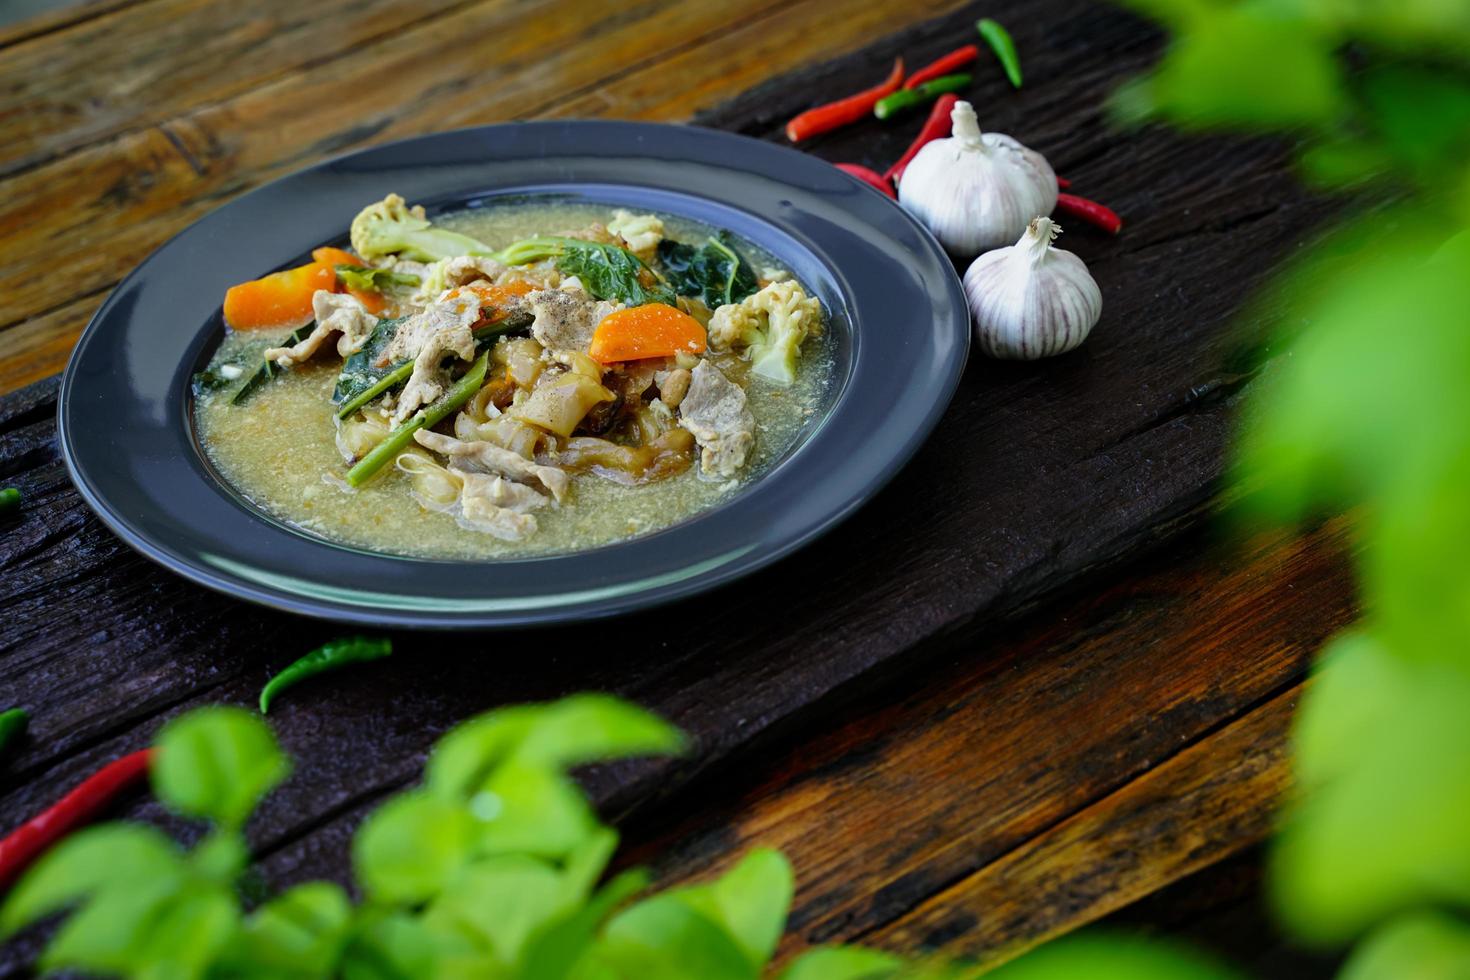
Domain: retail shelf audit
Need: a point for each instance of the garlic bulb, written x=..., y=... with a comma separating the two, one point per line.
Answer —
x=1030, y=300
x=976, y=191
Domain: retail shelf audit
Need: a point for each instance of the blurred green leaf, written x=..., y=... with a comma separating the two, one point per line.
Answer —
x=499, y=902
x=217, y=763
x=462, y=760
x=97, y=859
x=579, y=729
x=665, y=938
x=1357, y=687
x=220, y=857
x=1372, y=398
x=410, y=848
x=107, y=934
x=1397, y=26
x=1382, y=826
x=524, y=809
x=750, y=901
x=842, y=963
x=1242, y=66
x=190, y=932
x=1342, y=162
x=1105, y=956
x=554, y=952
x=1417, y=946
x=587, y=728
x=298, y=935
x=1422, y=117
x=397, y=946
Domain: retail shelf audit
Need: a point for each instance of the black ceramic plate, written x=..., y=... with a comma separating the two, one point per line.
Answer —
x=893, y=300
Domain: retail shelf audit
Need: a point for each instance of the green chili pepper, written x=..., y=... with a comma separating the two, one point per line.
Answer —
x=9, y=501
x=329, y=656
x=908, y=98
x=461, y=392
x=1000, y=42
x=12, y=726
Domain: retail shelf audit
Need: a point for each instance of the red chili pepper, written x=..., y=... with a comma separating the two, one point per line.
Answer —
x=76, y=808
x=936, y=127
x=825, y=118
x=1063, y=183
x=948, y=65
x=1091, y=212
x=872, y=178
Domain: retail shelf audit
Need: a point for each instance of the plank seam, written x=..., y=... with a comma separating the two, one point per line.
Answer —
x=66, y=23
x=24, y=165
x=1294, y=682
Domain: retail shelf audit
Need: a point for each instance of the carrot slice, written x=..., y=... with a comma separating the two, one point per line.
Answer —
x=496, y=297
x=281, y=299
x=374, y=303
x=652, y=330
x=327, y=255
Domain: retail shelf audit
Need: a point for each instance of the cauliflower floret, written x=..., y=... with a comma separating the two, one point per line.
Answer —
x=391, y=227
x=771, y=325
x=640, y=232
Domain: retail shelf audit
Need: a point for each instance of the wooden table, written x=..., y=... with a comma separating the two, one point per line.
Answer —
x=998, y=750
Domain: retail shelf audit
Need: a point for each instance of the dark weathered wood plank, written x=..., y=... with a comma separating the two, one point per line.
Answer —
x=101, y=209
x=30, y=19
x=1225, y=909
x=127, y=69
x=1207, y=803
x=938, y=777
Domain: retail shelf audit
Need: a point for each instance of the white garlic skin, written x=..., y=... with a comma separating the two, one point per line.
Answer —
x=976, y=191
x=1030, y=300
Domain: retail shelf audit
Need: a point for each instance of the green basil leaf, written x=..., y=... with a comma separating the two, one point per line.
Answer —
x=192, y=930
x=715, y=273
x=499, y=902
x=586, y=863
x=1425, y=945
x=409, y=849
x=397, y=946
x=1243, y=65
x=108, y=934
x=750, y=900
x=1100, y=956
x=579, y=729
x=843, y=963
x=665, y=938
x=613, y=273
x=525, y=809
x=300, y=935
x=220, y=857
x=607, y=271
x=586, y=728
x=109, y=856
x=217, y=763
x=463, y=759
x=556, y=952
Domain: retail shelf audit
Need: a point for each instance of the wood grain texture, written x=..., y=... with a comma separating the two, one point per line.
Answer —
x=856, y=703
x=101, y=209
x=1185, y=814
x=132, y=67
x=1056, y=748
